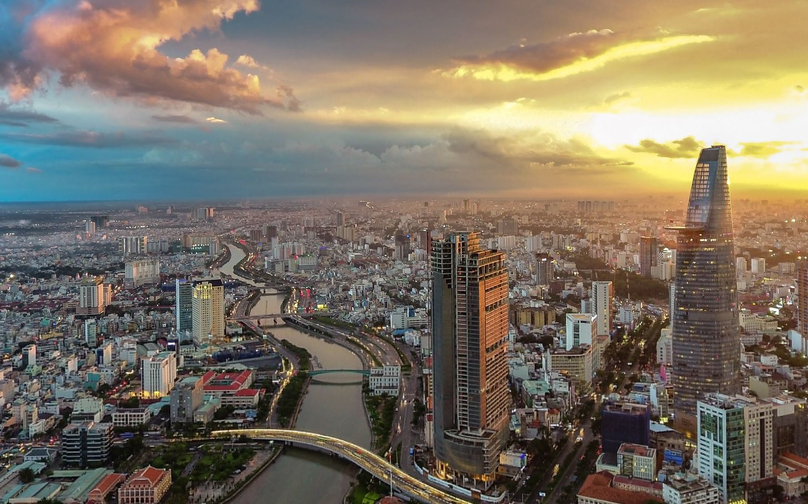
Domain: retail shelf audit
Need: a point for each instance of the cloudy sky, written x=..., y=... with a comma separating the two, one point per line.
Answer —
x=156, y=99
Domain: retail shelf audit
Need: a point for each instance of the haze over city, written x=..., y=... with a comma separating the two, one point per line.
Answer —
x=111, y=99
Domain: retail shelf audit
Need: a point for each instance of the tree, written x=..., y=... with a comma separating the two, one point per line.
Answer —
x=27, y=475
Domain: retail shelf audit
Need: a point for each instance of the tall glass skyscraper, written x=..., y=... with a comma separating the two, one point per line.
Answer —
x=471, y=399
x=706, y=335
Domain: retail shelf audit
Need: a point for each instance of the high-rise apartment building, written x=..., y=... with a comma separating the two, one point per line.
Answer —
x=706, y=335
x=92, y=296
x=740, y=265
x=735, y=444
x=159, y=374
x=802, y=294
x=133, y=245
x=184, y=308
x=141, y=272
x=648, y=254
x=207, y=306
x=602, y=297
x=470, y=331
x=545, y=270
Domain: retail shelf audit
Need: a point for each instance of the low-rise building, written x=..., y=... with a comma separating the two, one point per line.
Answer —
x=146, y=486
x=637, y=461
x=130, y=417
x=690, y=491
x=385, y=380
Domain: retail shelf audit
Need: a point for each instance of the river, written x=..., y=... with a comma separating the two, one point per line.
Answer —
x=334, y=409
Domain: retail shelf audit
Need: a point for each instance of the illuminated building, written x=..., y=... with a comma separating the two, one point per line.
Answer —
x=159, y=373
x=470, y=330
x=706, y=336
x=207, y=311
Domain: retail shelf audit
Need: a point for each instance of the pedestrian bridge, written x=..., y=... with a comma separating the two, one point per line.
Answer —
x=363, y=458
x=316, y=372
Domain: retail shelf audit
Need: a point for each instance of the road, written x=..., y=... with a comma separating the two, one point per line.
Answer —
x=363, y=458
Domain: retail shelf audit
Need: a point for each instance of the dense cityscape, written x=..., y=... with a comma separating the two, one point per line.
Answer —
x=448, y=350
x=462, y=252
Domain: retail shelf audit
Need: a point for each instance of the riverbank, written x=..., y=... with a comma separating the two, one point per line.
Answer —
x=328, y=409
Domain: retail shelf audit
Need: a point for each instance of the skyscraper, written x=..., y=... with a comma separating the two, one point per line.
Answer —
x=802, y=294
x=706, y=336
x=207, y=306
x=184, y=310
x=602, y=298
x=470, y=329
x=648, y=254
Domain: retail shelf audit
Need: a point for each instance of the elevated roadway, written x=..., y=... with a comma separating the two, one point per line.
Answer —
x=367, y=460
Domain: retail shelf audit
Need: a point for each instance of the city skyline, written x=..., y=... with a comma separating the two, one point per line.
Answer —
x=248, y=99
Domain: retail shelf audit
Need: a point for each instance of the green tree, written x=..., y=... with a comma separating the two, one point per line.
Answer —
x=27, y=475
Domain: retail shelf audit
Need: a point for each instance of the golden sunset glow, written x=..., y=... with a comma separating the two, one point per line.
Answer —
x=520, y=100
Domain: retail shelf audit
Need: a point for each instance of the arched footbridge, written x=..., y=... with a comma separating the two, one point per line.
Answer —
x=363, y=458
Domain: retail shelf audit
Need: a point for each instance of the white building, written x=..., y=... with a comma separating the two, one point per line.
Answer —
x=385, y=380
x=690, y=491
x=406, y=317
x=130, y=417
x=740, y=265
x=664, y=347
x=581, y=329
x=602, y=297
x=159, y=374
x=759, y=265
x=208, y=311
x=142, y=272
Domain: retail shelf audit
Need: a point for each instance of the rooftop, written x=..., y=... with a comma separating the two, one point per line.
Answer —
x=598, y=486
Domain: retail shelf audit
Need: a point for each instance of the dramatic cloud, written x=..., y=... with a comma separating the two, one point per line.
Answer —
x=685, y=148
x=179, y=119
x=762, y=149
x=8, y=162
x=112, y=46
x=215, y=120
x=90, y=139
x=566, y=56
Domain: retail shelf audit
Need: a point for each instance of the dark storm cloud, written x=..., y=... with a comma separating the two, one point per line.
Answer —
x=687, y=147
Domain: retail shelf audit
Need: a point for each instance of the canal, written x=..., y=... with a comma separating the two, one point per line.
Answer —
x=333, y=408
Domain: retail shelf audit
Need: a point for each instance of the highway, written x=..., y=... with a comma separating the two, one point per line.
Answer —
x=363, y=458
